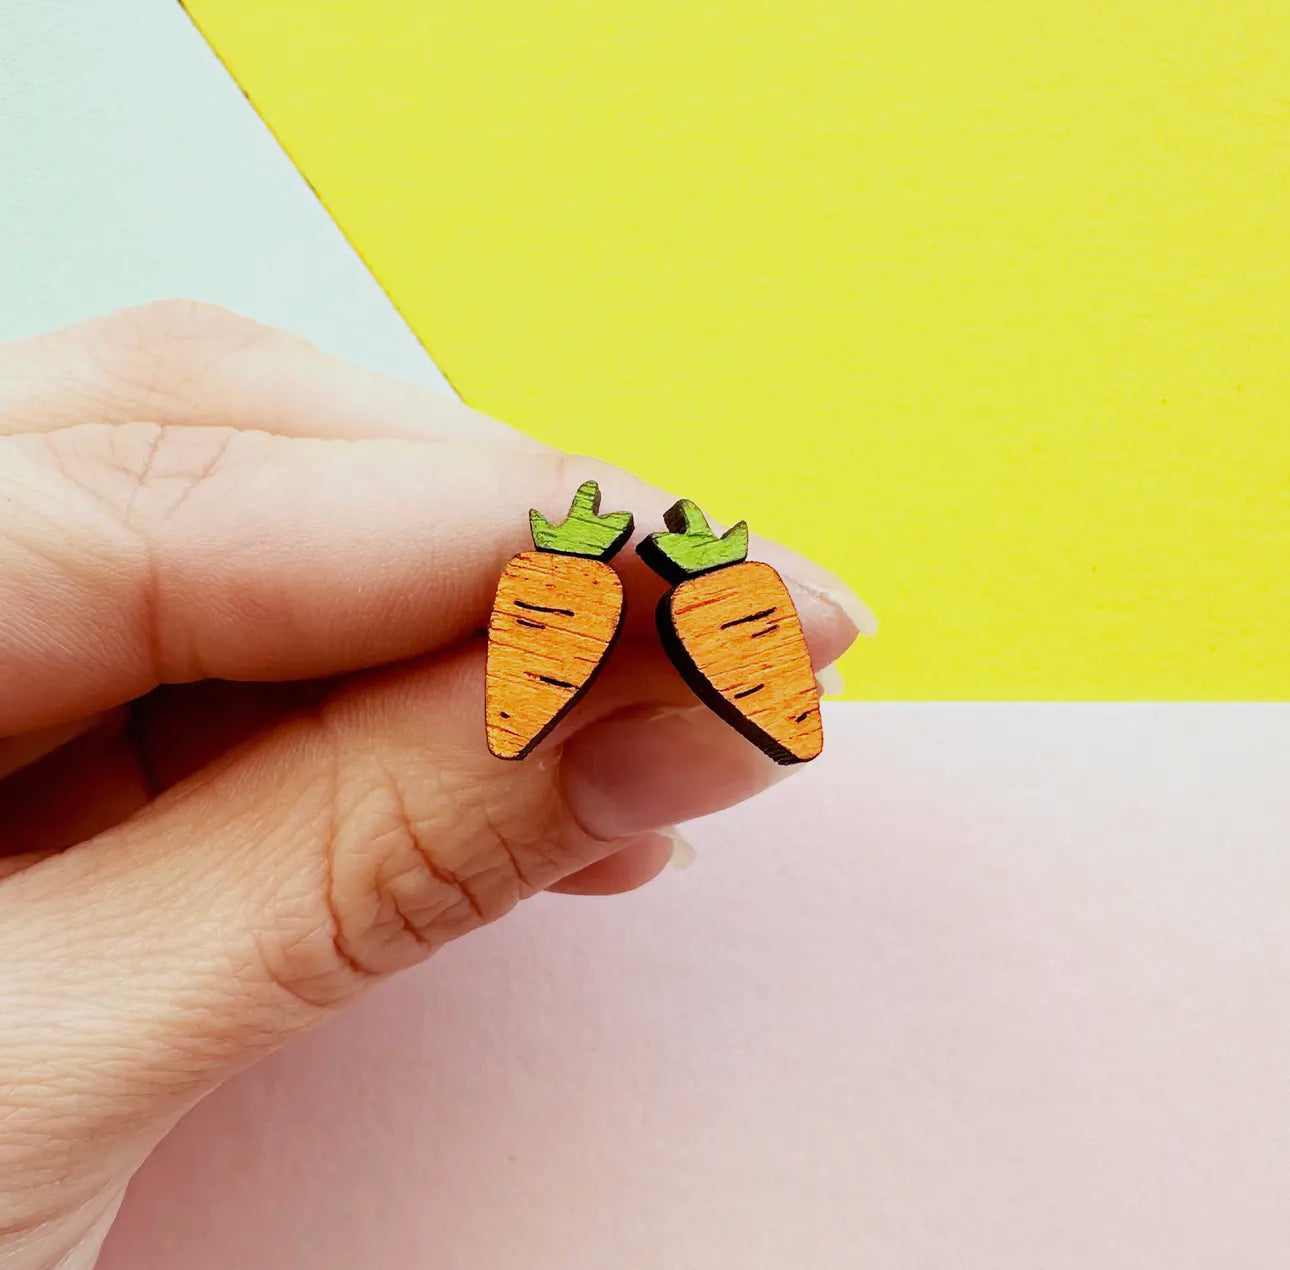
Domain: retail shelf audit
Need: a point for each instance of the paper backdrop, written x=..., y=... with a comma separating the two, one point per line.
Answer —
x=984, y=304
x=132, y=169
x=1012, y=998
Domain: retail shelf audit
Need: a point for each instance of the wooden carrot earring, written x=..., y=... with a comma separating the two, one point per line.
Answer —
x=731, y=629
x=557, y=614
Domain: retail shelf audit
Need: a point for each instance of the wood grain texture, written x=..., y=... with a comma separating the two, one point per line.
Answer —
x=690, y=547
x=584, y=531
x=735, y=636
x=554, y=621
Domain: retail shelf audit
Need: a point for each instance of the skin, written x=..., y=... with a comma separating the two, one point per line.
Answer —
x=242, y=765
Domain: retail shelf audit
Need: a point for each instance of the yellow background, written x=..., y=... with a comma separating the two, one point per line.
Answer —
x=986, y=304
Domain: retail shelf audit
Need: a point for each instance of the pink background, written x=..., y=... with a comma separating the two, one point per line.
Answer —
x=995, y=987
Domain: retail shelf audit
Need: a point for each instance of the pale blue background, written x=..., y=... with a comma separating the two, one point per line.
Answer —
x=132, y=169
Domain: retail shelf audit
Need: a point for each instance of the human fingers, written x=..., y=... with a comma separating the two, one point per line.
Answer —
x=180, y=729
x=183, y=363
x=17, y=752
x=73, y=792
x=258, y=896
x=187, y=364
x=143, y=554
x=110, y=768
x=625, y=870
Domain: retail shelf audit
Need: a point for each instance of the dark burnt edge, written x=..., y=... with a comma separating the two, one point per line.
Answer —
x=577, y=696
x=706, y=693
x=667, y=568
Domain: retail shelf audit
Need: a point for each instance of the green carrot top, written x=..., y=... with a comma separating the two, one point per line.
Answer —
x=691, y=548
x=584, y=532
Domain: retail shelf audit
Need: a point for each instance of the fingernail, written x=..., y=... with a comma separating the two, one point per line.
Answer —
x=830, y=681
x=683, y=852
x=650, y=769
x=837, y=593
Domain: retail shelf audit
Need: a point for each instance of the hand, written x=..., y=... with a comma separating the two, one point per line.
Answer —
x=242, y=767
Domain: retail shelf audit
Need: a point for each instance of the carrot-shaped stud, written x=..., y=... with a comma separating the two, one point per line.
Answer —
x=557, y=614
x=732, y=630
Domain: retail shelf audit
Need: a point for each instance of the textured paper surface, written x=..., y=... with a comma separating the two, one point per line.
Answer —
x=986, y=304
x=132, y=169
x=1010, y=995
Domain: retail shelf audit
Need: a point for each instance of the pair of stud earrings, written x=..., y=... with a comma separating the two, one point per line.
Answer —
x=728, y=624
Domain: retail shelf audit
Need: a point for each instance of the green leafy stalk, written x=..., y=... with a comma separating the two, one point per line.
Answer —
x=691, y=548
x=584, y=532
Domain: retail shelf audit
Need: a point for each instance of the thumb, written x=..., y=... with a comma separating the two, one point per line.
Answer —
x=254, y=899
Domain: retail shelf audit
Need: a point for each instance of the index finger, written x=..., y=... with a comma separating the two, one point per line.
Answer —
x=195, y=365
x=138, y=555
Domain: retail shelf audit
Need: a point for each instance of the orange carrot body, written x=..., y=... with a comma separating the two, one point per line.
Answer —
x=736, y=637
x=554, y=621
